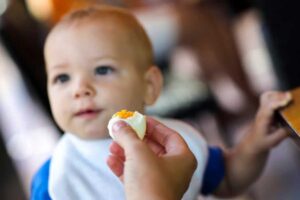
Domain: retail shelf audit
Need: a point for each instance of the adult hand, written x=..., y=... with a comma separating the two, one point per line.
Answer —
x=159, y=167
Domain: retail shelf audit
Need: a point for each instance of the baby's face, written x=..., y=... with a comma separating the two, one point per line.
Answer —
x=92, y=74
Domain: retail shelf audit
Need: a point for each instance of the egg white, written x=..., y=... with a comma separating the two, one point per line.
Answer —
x=137, y=121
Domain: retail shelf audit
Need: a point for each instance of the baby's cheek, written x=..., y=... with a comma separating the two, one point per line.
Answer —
x=61, y=115
x=60, y=120
x=116, y=100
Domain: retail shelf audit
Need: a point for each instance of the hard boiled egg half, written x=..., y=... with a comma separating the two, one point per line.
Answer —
x=135, y=119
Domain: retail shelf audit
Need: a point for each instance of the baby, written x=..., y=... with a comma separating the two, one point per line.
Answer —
x=99, y=60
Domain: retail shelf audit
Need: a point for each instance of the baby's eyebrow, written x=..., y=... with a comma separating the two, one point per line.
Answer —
x=57, y=66
x=105, y=58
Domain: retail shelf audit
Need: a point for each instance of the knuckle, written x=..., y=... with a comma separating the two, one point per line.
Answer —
x=192, y=159
x=270, y=100
x=135, y=146
x=194, y=162
x=267, y=96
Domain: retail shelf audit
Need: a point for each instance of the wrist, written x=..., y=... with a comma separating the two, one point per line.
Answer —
x=247, y=153
x=145, y=195
x=252, y=146
x=163, y=190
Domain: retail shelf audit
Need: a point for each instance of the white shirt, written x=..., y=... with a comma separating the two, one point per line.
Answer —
x=78, y=168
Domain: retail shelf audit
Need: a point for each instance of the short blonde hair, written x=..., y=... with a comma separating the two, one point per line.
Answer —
x=118, y=17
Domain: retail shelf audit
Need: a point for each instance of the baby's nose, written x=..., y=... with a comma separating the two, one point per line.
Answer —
x=84, y=89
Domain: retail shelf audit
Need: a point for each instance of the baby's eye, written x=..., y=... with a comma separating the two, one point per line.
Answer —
x=103, y=70
x=61, y=78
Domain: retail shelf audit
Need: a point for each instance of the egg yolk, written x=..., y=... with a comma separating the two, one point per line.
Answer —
x=123, y=114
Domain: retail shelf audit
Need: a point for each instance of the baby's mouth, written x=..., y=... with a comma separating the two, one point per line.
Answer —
x=88, y=113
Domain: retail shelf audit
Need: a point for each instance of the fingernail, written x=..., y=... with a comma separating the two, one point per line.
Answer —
x=288, y=95
x=118, y=125
x=286, y=98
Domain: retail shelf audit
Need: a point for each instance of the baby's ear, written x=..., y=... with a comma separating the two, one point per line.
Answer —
x=154, y=81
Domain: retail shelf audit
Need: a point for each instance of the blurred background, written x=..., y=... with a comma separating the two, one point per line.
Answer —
x=217, y=57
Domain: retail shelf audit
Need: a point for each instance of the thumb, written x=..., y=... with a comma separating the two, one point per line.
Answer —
x=124, y=135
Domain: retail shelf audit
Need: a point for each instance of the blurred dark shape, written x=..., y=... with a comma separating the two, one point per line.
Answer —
x=282, y=33
x=10, y=187
x=207, y=28
x=239, y=6
x=23, y=37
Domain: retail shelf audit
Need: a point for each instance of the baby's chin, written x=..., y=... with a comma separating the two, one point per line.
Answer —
x=91, y=135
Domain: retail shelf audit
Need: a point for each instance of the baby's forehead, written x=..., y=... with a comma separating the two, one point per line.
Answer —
x=111, y=25
x=119, y=23
x=116, y=19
